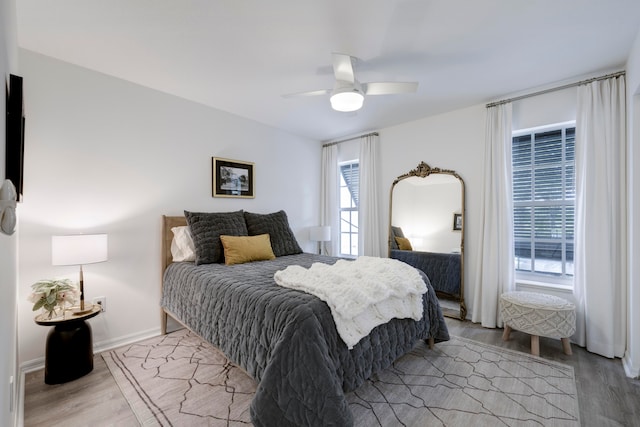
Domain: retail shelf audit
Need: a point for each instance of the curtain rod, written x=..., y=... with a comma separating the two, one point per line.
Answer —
x=542, y=92
x=350, y=139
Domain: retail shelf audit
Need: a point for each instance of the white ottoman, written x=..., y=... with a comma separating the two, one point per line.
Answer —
x=538, y=315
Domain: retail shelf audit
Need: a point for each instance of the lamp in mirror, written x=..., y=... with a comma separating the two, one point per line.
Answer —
x=79, y=249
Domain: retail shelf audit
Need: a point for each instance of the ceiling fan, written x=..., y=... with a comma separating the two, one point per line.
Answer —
x=348, y=93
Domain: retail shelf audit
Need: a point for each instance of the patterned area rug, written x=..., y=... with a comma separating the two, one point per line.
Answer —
x=179, y=379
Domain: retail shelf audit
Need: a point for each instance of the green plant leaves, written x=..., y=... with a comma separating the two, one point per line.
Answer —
x=50, y=291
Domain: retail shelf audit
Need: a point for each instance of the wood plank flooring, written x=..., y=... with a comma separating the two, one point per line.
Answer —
x=93, y=400
x=607, y=397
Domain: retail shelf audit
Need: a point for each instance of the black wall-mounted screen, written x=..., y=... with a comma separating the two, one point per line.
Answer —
x=15, y=134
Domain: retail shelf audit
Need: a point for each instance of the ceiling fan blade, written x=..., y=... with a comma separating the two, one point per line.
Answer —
x=389, y=88
x=343, y=67
x=311, y=93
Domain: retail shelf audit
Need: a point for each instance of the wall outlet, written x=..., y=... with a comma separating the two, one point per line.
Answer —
x=101, y=301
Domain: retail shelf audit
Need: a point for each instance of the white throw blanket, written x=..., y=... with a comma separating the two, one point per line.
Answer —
x=361, y=294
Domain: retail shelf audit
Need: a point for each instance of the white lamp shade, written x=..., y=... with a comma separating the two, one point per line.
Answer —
x=78, y=249
x=320, y=234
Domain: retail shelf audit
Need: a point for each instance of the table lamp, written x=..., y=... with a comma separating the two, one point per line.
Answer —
x=320, y=234
x=79, y=249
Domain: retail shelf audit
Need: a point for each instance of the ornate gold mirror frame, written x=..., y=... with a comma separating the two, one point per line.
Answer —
x=445, y=259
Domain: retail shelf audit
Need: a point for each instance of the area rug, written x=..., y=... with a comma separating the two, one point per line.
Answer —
x=180, y=380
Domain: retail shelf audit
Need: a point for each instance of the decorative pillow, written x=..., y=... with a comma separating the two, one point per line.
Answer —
x=182, y=248
x=404, y=244
x=397, y=232
x=241, y=249
x=206, y=229
x=276, y=225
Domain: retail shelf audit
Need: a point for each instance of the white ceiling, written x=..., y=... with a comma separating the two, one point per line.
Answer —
x=242, y=55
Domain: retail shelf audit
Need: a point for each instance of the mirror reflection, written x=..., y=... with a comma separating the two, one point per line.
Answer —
x=427, y=230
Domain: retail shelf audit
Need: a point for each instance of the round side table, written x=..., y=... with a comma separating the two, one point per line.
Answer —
x=69, y=350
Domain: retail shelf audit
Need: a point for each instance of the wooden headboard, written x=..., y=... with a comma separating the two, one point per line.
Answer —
x=168, y=222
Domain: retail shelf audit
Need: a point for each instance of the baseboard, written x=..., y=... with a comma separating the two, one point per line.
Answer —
x=98, y=347
x=19, y=417
x=32, y=365
x=125, y=340
x=629, y=369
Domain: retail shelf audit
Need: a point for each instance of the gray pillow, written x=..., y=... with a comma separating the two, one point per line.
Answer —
x=396, y=232
x=206, y=229
x=276, y=225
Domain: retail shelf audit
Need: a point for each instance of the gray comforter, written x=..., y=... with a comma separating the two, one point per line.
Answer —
x=442, y=269
x=287, y=339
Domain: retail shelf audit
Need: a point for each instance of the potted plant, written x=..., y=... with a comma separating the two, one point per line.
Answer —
x=52, y=294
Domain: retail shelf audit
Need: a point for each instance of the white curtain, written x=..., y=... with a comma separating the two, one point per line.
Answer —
x=368, y=218
x=329, y=198
x=600, y=229
x=496, y=261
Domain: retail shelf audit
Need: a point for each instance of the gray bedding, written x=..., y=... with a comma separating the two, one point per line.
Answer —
x=443, y=270
x=287, y=339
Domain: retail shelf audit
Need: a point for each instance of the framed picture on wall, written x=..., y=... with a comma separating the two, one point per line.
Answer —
x=232, y=178
x=457, y=221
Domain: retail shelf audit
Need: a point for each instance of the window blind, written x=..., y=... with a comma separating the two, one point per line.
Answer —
x=544, y=198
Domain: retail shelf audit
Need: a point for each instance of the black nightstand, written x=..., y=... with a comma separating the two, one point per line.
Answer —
x=69, y=351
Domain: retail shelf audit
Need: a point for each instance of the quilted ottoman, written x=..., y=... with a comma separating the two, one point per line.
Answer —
x=538, y=315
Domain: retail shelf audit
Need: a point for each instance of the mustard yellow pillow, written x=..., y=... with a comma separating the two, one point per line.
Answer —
x=241, y=249
x=404, y=244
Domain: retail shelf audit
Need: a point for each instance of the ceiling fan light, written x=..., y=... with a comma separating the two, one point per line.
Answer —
x=347, y=101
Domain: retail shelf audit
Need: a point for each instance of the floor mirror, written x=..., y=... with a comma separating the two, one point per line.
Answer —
x=426, y=230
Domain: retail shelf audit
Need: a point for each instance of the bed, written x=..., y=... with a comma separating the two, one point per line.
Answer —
x=285, y=339
x=442, y=269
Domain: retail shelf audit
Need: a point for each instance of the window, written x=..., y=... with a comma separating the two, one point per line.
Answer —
x=349, y=185
x=544, y=202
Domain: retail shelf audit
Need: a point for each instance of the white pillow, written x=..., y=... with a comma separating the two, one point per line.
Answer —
x=182, y=248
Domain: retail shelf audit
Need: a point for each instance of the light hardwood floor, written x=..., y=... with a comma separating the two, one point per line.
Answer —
x=607, y=397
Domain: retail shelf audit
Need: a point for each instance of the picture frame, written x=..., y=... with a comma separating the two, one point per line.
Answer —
x=457, y=221
x=232, y=178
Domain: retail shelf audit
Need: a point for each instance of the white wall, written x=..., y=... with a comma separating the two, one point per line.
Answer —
x=8, y=244
x=551, y=108
x=105, y=155
x=632, y=356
